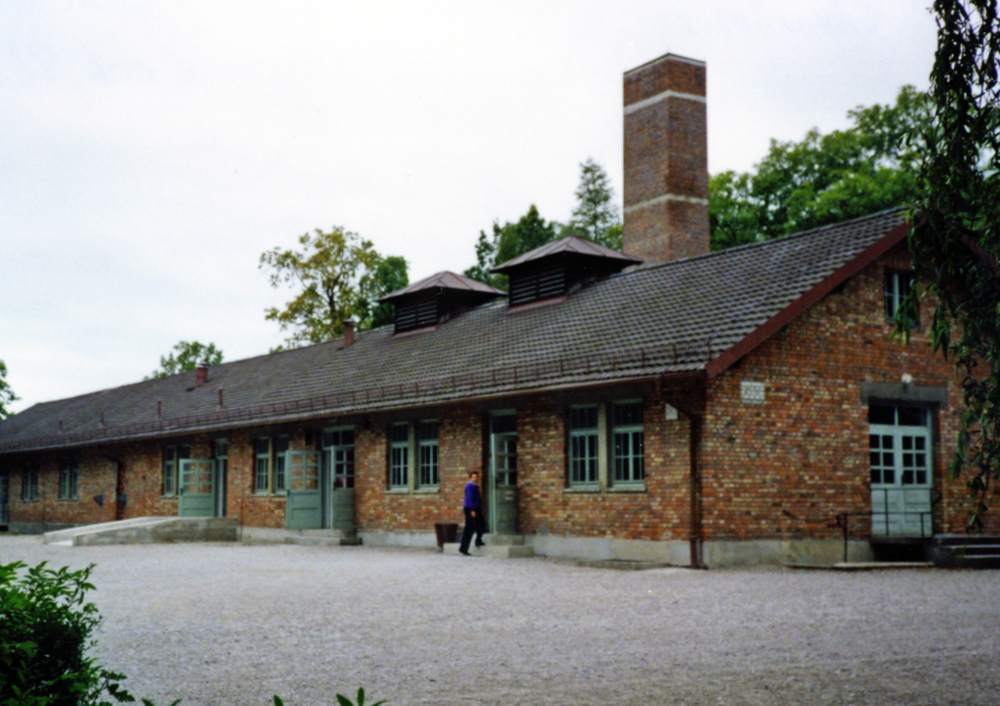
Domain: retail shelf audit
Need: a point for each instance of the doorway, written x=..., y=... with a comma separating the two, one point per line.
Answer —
x=501, y=476
x=197, y=488
x=338, y=461
x=899, y=445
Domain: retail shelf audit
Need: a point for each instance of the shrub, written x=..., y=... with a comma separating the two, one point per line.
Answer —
x=46, y=628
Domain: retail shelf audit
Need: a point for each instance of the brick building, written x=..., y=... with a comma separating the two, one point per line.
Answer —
x=663, y=403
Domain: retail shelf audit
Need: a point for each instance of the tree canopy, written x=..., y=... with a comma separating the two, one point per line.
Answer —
x=185, y=356
x=823, y=179
x=7, y=395
x=507, y=242
x=595, y=217
x=336, y=277
x=956, y=244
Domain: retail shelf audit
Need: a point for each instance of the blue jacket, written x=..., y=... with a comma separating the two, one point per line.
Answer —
x=473, y=498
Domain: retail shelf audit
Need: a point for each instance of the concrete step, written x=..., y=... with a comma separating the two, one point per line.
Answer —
x=497, y=547
x=622, y=564
x=148, y=530
x=880, y=565
x=308, y=538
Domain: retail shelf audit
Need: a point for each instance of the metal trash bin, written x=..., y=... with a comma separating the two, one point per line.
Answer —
x=447, y=533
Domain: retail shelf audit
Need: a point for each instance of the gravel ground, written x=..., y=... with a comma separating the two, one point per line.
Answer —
x=232, y=625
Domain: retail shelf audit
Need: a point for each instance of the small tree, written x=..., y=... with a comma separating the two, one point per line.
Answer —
x=7, y=395
x=957, y=247
x=46, y=628
x=186, y=356
x=596, y=215
x=337, y=276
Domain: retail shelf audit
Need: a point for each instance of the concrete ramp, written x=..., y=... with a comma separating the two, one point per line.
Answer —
x=148, y=530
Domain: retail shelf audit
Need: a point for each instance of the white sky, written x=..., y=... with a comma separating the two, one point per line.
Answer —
x=150, y=152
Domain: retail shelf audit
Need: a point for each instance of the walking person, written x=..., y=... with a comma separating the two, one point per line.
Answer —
x=473, y=509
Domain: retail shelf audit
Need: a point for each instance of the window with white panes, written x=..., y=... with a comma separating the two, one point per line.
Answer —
x=270, y=454
x=583, y=445
x=427, y=453
x=172, y=455
x=29, y=482
x=897, y=287
x=399, y=456
x=627, y=442
x=68, y=479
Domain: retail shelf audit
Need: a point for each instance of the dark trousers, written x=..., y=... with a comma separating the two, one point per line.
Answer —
x=472, y=525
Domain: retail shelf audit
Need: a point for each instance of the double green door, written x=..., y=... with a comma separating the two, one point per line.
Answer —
x=198, y=488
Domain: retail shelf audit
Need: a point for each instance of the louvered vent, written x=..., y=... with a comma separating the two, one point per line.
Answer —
x=537, y=285
x=416, y=314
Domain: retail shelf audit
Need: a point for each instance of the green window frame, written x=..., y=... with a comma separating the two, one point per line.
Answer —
x=427, y=453
x=339, y=443
x=583, y=445
x=897, y=287
x=399, y=456
x=627, y=440
x=69, y=478
x=29, y=483
x=172, y=456
x=270, y=454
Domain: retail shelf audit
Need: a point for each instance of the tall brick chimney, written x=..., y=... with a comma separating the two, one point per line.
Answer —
x=666, y=160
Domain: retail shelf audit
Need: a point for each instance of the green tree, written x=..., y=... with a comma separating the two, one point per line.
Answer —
x=507, y=242
x=956, y=247
x=823, y=179
x=185, y=356
x=337, y=276
x=389, y=274
x=596, y=215
x=7, y=395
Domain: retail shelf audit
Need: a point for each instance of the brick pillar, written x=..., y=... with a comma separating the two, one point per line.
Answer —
x=666, y=160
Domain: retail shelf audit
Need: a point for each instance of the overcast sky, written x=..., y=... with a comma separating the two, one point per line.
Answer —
x=150, y=152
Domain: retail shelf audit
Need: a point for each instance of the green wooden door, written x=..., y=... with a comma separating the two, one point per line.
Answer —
x=197, y=488
x=338, y=445
x=305, y=501
x=501, y=487
x=899, y=444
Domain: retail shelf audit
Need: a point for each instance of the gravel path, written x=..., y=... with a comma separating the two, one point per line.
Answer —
x=232, y=625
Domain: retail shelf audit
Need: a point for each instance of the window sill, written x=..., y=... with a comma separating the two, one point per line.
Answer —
x=631, y=488
x=397, y=491
x=430, y=490
x=583, y=489
x=67, y=500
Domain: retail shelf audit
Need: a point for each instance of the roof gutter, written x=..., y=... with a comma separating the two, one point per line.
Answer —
x=679, y=380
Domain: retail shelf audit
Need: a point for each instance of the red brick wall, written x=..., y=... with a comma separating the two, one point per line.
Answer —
x=460, y=451
x=784, y=469
x=665, y=154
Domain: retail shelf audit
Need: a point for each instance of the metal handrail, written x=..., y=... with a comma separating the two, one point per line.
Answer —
x=926, y=518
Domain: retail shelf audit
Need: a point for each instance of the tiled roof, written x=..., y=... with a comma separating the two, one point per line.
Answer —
x=576, y=246
x=445, y=280
x=651, y=321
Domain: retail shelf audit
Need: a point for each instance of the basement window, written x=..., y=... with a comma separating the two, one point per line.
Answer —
x=69, y=476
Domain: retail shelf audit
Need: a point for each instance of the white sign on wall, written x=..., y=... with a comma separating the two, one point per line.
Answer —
x=752, y=392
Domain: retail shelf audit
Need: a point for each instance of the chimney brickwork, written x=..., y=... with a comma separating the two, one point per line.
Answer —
x=666, y=160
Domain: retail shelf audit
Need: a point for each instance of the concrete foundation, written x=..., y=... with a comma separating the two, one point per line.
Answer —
x=149, y=530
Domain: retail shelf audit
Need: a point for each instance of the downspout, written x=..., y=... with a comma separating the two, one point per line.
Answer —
x=696, y=538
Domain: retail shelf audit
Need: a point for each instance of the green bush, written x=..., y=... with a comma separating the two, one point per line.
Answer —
x=46, y=628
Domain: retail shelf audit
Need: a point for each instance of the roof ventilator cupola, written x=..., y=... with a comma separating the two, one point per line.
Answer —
x=436, y=299
x=551, y=270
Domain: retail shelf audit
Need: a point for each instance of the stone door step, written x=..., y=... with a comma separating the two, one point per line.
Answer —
x=497, y=546
x=307, y=538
